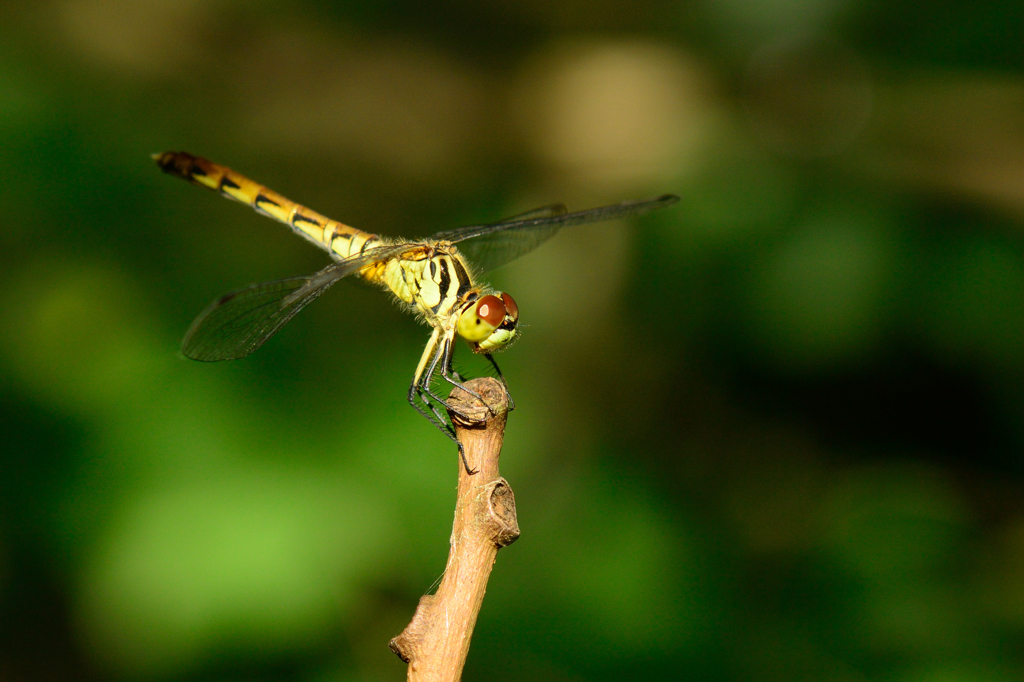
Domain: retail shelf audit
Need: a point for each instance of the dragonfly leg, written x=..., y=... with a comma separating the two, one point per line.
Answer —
x=425, y=406
x=446, y=372
x=426, y=402
x=420, y=398
x=494, y=363
x=443, y=357
x=435, y=417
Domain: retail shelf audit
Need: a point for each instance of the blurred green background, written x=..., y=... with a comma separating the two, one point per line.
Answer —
x=772, y=433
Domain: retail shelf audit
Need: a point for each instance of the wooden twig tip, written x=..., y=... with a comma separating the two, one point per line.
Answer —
x=436, y=641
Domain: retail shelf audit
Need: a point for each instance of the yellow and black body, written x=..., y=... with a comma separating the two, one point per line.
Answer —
x=432, y=277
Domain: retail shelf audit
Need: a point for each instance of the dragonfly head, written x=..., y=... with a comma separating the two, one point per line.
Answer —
x=489, y=322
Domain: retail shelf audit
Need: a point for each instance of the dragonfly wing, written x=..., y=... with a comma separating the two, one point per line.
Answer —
x=491, y=251
x=238, y=323
x=503, y=246
x=491, y=246
x=542, y=212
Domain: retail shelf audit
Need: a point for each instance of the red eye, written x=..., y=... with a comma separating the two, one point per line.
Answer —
x=511, y=307
x=491, y=309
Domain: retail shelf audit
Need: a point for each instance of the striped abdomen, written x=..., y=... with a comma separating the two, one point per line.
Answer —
x=337, y=238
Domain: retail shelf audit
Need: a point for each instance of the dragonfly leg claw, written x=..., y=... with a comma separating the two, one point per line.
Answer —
x=442, y=364
x=456, y=410
x=423, y=404
x=473, y=393
x=465, y=463
x=427, y=406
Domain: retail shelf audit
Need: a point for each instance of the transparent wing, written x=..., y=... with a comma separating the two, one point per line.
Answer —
x=491, y=246
x=542, y=212
x=238, y=323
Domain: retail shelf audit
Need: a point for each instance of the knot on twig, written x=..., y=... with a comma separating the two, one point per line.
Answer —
x=501, y=506
x=400, y=648
x=469, y=412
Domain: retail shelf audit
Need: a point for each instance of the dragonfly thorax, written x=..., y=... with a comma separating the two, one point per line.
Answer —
x=433, y=280
x=489, y=322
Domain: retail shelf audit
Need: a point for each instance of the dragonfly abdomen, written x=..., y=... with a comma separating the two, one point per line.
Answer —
x=339, y=239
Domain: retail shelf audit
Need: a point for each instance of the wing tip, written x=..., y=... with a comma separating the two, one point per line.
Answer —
x=190, y=353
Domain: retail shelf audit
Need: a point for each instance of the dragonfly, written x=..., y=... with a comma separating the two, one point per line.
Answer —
x=435, y=278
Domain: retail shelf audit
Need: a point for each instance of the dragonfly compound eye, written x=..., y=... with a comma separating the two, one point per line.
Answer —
x=481, y=318
x=503, y=327
x=510, y=307
x=491, y=310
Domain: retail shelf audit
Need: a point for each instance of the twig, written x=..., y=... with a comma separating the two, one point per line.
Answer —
x=435, y=643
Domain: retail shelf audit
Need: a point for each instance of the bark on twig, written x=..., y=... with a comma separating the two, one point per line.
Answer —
x=436, y=641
